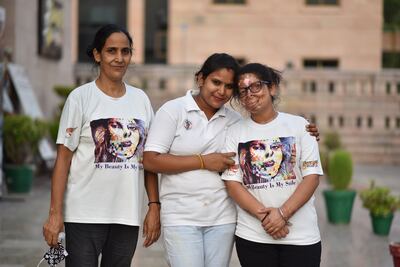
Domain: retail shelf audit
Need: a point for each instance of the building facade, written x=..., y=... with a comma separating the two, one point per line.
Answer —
x=330, y=52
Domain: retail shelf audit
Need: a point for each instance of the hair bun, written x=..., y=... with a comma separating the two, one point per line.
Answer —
x=89, y=51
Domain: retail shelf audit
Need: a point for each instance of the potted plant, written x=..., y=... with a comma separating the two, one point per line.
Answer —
x=394, y=248
x=331, y=143
x=381, y=205
x=339, y=200
x=21, y=136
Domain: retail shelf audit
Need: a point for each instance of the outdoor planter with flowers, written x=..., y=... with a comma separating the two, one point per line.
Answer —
x=381, y=205
x=21, y=135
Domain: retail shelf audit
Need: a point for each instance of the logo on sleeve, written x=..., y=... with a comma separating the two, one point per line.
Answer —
x=309, y=164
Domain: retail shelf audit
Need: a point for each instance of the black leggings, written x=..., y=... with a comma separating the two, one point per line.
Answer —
x=252, y=254
x=85, y=242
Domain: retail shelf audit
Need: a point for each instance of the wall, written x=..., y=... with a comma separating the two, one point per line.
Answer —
x=277, y=32
x=22, y=38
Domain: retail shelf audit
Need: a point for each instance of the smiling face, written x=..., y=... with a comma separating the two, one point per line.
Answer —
x=124, y=137
x=266, y=157
x=255, y=103
x=114, y=57
x=215, y=90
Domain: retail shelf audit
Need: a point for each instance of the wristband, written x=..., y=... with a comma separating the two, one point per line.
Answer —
x=284, y=218
x=201, y=161
x=154, y=202
x=264, y=217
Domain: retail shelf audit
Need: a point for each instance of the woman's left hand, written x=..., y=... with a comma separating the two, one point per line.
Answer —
x=274, y=222
x=152, y=225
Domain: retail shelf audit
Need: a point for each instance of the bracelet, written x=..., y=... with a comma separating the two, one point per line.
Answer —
x=284, y=218
x=264, y=217
x=154, y=202
x=201, y=161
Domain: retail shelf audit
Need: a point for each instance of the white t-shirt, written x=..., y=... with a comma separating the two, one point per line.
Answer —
x=198, y=197
x=271, y=161
x=106, y=134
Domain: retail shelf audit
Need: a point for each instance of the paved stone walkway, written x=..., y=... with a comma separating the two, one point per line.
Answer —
x=353, y=245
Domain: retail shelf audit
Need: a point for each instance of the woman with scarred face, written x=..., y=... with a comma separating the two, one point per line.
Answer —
x=275, y=175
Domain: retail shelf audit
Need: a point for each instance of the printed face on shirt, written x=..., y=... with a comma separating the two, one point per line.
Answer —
x=267, y=160
x=118, y=140
x=266, y=157
x=124, y=137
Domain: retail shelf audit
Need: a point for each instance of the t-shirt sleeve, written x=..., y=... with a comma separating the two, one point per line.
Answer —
x=234, y=173
x=310, y=162
x=70, y=127
x=162, y=132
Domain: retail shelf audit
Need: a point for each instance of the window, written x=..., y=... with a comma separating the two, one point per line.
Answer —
x=341, y=121
x=370, y=122
x=311, y=63
x=387, y=122
x=322, y=2
x=330, y=121
x=331, y=87
x=390, y=60
x=229, y=1
x=398, y=122
x=92, y=15
x=156, y=31
x=162, y=84
x=313, y=87
x=359, y=122
x=388, y=88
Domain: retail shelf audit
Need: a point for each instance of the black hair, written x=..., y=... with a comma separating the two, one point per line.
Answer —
x=216, y=62
x=263, y=72
x=101, y=36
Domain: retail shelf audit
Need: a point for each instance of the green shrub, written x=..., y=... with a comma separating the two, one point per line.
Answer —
x=340, y=169
x=332, y=141
x=21, y=138
x=379, y=201
x=62, y=91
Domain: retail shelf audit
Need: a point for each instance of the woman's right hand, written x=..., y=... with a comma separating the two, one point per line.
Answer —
x=282, y=233
x=52, y=227
x=218, y=162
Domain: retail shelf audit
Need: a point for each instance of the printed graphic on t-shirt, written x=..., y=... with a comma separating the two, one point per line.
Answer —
x=270, y=160
x=118, y=140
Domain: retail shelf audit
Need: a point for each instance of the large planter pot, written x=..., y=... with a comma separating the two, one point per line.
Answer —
x=339, y=205
x=394, y=248
x=381, y=224
x=18, y=177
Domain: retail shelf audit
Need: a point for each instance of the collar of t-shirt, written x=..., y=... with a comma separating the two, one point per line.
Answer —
x=191, y=105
